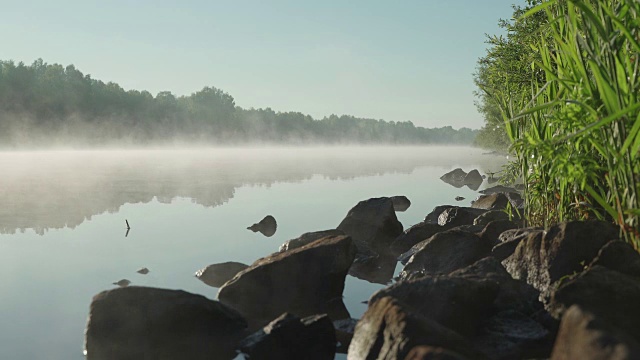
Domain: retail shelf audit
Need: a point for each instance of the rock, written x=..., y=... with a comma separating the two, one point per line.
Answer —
x=519, y=234
x=584, y=336
x=344, y=333
x=456, y=216
x=266, y=226
x=414, y=235
x=304, y=281
x=447, y=251
x=473, y=178
x=122, y=283
x=432, y=217
x=377, y=268
x=619, y=256
x=562, y=250
x=372, y=224
x=426, y=352
x=217, y=274
x=389, y=330
x=150, y=323
x=143, y=271
x=458, y=303
x=492, y=231
x=498, y=189
x=505, y=249
x=308, y=238
x=289, y=337
x=513, y=335
x=610, y=295
x=400, y=203
x=454, y=177
x=459, y=198
x=489, y=216
x=495, y=201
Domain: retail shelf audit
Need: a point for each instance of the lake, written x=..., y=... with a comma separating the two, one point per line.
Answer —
x=62, y=220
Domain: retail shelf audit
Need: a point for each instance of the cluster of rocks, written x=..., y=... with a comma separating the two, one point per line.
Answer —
x=475, y=285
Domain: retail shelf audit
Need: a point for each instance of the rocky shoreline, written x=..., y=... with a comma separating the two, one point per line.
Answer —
x=475, y=285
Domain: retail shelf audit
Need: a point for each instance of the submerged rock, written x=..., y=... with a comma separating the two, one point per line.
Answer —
x=150, y=323
x=122, y=283
x=304, y=281
x=266, y=226
x=217, y=274
x=143, y=271
x=289, y=337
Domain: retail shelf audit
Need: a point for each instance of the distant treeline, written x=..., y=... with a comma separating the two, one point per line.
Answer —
x=45, y=103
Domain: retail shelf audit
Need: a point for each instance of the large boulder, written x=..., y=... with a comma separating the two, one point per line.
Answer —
x=447, y=251
x=308, y=238
x=544, y=258
x=473, y=178
x=498, y=189
x=608, y=294
x=372, y=224
x=150, y=323
x=304, y=281
x=458, y=303
x=584, y=336
x=376, y=268
x=400, y=203
x=289, y=337
x=490, y=234
x=390, y=330
x=620, y=256
x=495, y=201
x=454, y=177
x=489, y=216
x=432, y=217
x=217, y=274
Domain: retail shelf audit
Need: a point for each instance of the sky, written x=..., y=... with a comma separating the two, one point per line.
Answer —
x=410, y=60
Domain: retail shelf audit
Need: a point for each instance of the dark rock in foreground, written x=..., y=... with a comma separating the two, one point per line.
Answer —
x=150, y=323
x=389, y=330
x=266, y=226
x=308, y=238
x=414, y=235
x=584, y=336
x=619, y=256
x=372, y=224
x=400, y=203
x=217, y=274
x=304, y=281
x=566, y=248
x=457, y=216
x=426, y=352
x=494, y=201
x=289, y=337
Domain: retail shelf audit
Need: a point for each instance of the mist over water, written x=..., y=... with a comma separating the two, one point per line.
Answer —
x=62, y=220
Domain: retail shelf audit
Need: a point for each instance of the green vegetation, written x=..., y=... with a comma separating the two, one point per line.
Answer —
x=569, y=100
x=44, y=104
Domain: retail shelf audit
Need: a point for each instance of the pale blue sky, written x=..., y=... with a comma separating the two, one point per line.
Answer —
x=392, y=60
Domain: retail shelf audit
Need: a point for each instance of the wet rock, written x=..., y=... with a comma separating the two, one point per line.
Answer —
x=610, y=295
x=498, y=189
x=304, y=281
x=289, y=337
x=372, y=224
x=473, y=178
x=562, y=250
x=426, y=352
x=447, y=251
x=458, y=303
x=454, y=177
x=150, y=323
x=584, y=336
x=619, y=256
x=376, y=268
x=400, y=203
x=432, y=217
x=491, y=232
x=122, y=283
x=456, y=216
x=414, y=235
x=389, y=330
x=489, y=216
x=495, y=201
x=459, y=198
x=217, y=274
x=266, y=226
x=308, y=238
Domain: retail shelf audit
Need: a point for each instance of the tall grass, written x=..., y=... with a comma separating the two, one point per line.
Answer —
x=577, y=134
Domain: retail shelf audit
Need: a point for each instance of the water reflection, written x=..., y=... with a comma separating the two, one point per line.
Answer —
x=44, y=190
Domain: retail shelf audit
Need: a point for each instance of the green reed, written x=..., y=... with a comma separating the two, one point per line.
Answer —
x=577, y=134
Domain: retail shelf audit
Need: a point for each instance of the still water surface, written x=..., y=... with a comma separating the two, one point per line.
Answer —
x=62, y=220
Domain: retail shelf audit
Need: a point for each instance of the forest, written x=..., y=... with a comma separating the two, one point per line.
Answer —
x=48, y=104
